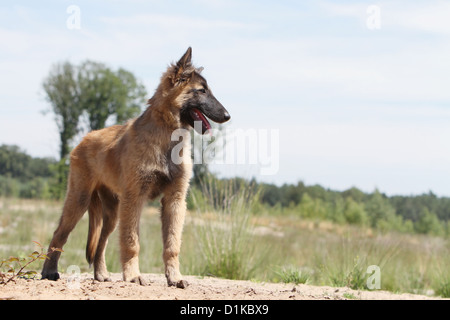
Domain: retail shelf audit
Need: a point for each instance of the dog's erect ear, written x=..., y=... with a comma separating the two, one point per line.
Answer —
x=185, y=60
x=183, y=68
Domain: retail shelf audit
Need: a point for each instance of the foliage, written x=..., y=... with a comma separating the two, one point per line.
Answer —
x=15, y=163
x=105, y=93
x=16, y=267
x=428, y=223
x=22, y=176
x=425, y=213
x=63, y=94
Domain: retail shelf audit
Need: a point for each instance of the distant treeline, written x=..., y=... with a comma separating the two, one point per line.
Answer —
x=424, y=213
x=23, y=176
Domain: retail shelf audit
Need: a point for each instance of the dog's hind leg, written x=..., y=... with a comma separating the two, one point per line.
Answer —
x=110, y=205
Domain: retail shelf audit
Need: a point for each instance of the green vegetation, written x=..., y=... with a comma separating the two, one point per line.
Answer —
x=292, y=274
x=424, y=214
x=15, y=267
x=22, y=176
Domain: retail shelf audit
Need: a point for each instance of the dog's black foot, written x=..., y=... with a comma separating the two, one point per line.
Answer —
x=51, y=276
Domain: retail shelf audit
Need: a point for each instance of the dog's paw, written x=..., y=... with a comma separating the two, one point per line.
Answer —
x=139, y=280
x=182, y=284
x=50, y=276
x=102, y=278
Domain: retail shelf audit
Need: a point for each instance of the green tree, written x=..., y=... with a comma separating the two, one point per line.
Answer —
x=429, y=223
x=13, y=162
x=379, y=209
x=63, y=94
x=16, y=163
x=312, y=208
x=354, y=212
x=105, y=93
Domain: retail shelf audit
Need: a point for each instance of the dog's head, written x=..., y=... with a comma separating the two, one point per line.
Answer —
x=194, y=98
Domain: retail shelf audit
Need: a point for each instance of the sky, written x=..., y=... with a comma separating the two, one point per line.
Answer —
x=342, y=94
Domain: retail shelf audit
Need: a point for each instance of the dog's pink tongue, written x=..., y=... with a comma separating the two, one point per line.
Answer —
x=198, y=116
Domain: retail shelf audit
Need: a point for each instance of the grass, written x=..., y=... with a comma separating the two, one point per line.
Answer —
x=224, y=231
x=231, y=241
x=292, y=274
x=349, y=296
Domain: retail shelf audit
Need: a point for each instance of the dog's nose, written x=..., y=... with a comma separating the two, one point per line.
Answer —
x=226, y=116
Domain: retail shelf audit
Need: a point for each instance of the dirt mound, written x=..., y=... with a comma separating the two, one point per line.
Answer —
x=200, y=288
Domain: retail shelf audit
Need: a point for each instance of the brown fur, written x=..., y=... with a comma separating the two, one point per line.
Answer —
x=115, y=170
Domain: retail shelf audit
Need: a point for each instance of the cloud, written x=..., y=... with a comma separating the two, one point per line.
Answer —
x=172, y=22
x=426, y=16
x=429, y=16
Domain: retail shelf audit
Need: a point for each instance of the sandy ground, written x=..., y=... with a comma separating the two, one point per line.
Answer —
x=85, y=288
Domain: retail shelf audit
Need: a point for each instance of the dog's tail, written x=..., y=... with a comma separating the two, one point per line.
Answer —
x=95, y=227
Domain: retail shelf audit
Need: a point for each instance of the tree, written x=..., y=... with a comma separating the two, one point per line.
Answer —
x=379, y=209
x=105, y=93
x=63, y=94
x=354, y=212
x=15, y=163
x=429, y=223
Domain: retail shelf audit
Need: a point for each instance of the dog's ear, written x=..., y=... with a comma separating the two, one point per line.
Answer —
x=185, y=60
x=183, y=68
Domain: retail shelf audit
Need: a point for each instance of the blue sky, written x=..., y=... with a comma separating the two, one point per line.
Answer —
x=353, y=106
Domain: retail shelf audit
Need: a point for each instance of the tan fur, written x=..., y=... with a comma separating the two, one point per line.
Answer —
x=115, y=170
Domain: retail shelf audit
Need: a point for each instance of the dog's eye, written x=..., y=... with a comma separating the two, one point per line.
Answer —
x=202, y=90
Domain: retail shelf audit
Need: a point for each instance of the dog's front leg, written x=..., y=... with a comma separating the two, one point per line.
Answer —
x=172, y=216
x=129, y=215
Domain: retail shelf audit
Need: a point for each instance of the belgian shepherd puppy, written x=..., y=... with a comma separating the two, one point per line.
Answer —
x=114, y=171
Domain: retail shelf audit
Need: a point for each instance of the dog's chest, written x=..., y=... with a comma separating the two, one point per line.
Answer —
x=154, y=178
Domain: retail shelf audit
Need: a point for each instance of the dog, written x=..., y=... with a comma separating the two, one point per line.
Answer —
x=114, y=171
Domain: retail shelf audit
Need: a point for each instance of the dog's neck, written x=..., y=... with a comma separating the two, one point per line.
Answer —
x=160, y=119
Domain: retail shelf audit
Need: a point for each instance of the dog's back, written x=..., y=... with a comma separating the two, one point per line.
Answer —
x=98, y=156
